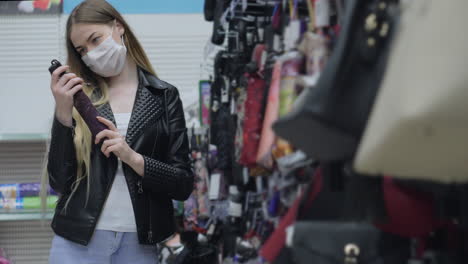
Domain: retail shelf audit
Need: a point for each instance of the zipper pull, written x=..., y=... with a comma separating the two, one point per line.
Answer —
x=150, y=236
x=140, y=187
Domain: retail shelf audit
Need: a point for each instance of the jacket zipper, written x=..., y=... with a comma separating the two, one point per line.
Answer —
x=140, y=191
x=150, y=231
x=140, y=187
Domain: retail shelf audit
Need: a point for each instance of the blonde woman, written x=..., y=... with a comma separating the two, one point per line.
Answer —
x=116, y=192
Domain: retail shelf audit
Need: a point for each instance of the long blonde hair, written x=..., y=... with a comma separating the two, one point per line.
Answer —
x=92, y=12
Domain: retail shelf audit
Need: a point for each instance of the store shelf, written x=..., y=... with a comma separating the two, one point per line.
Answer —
x=25, y=215
x=23, y=137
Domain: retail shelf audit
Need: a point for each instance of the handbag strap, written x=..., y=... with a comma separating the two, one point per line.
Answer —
x=315, y=188
x=310, y=8
x=291, y=9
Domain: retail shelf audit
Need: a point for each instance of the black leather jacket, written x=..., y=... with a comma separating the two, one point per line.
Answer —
x=157, y=131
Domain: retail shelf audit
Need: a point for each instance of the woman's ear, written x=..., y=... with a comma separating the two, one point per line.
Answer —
x=120, y=27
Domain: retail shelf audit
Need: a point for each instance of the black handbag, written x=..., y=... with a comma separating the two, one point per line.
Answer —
x=328, y=120
x=209, y=9
x=197, y=254
x=346, y=243
x=218, y=35
x=343, y=196
x=223, y=123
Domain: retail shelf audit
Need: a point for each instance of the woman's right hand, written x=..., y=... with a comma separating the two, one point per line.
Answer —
x=63, y=88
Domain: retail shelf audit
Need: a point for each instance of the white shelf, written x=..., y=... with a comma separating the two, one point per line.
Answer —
x=23, y=137
x=25, y=215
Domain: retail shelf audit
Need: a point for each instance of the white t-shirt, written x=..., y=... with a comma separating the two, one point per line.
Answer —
x=117, y=214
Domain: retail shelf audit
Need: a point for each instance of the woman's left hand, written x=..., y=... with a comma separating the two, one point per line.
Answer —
x=114, y=143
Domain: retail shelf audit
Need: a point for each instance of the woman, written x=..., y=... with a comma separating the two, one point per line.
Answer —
x=116, y=192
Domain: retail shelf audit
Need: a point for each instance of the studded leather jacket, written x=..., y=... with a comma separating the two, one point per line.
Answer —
x=157, y=131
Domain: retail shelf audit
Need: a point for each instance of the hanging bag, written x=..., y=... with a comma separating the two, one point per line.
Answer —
x=252, y=124
x=268, y=137
x=328, y=119
x=419, y=125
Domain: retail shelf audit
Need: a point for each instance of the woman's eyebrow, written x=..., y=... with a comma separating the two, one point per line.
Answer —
x=90, y=36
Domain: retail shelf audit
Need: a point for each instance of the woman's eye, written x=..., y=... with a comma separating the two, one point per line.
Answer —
x=95, y=39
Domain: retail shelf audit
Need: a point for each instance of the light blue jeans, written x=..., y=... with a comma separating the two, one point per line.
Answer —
x=105, y=247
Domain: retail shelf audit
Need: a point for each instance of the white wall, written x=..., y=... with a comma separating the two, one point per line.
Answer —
x=174, y=44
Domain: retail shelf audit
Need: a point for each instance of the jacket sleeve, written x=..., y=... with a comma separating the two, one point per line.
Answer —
x=175, y=177
x=62, y=162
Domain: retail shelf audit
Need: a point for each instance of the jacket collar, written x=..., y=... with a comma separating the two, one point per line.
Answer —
x=146, y=108
x=147, y=79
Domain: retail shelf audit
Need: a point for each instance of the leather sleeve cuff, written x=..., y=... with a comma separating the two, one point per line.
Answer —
x=59, y=129
x=159, y=176
x=61, y=159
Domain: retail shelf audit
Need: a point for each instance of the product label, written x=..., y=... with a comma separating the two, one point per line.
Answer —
x=215, y=183
x=322, y=13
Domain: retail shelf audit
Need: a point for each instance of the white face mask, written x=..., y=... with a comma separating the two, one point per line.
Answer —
x=107, y=59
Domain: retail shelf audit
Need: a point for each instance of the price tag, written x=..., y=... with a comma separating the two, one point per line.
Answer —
x=292, y=34
x=235, y=209
x=291, y=159
x=259, y=184
x=211, y=230
x=264, y=59
x=244, y=5
x=245, y=175
x=289, y=236
x=215, y=183
x=322, y=13
x=261, y=34
x=233, y=190
x=233, y=107
x=225, y=91
x=250, y=38
x=276, y=43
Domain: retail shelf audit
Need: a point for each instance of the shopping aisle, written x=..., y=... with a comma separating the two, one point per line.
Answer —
x=316, y=146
